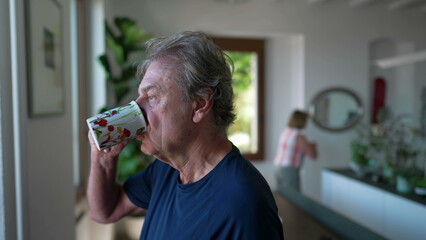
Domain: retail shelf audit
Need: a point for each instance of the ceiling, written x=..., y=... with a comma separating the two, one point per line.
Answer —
x=417, y=5
x=391, y=5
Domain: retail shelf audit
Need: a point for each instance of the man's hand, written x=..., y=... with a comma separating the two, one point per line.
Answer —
x=107, y=200
x=109, y=153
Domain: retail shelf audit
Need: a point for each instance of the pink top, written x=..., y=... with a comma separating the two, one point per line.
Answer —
x=289, y=152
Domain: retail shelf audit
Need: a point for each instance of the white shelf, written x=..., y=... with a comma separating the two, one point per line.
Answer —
x=401, y=60
x=387, y=214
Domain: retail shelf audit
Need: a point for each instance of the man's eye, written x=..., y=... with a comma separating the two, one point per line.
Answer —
x=152, y=100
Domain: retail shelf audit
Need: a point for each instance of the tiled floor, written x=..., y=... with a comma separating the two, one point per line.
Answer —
x=298, y=225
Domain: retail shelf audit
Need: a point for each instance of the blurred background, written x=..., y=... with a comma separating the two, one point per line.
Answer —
x=357, y=66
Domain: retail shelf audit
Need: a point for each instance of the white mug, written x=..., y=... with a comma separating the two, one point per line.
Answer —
x=117, y=125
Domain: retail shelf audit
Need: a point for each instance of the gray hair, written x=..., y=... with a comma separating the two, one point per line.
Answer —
x=199, y=64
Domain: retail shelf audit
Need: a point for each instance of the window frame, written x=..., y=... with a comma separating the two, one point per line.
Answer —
x=258, y=46
x=82, y=71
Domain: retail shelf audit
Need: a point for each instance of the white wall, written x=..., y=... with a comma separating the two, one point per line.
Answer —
x=285, y=59
x=336, y=45
x=48, y=159
x=7, y=194
x=43, y=153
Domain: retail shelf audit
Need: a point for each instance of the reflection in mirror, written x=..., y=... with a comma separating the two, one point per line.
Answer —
x=336, y=109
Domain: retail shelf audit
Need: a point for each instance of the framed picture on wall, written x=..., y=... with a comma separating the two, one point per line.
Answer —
x=45, y=58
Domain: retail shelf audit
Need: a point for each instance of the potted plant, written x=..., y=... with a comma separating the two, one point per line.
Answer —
x=360, y=161
x=420, y=186
x=406, y=178
x=404, y=161
x=406, y=171
x=364, y=149
x=120, y=77
x=389, y=147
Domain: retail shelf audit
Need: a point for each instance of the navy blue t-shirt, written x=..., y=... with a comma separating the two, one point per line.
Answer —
x=233, y=201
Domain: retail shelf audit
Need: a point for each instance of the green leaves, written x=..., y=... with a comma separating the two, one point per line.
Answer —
x=120, y=75
x=121, y=89
x=105, y=64
x=421, y=182
x=132, y=160
x=391, y=143
x=130, y=38
x=242, y=75
x=359, y=152
x=244, y=97
x=120, y=70
x=113, y=45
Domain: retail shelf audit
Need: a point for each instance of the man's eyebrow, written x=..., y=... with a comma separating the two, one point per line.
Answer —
x=149, y=87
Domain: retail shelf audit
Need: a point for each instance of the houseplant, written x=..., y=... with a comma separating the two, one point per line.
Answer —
x=420, y=186
x=120, y=72
x=405, y=169
x=406, y=178
x=390, y=144
x=360, y=160
x=120, y=77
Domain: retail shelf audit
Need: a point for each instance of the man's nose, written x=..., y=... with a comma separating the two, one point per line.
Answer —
x=141, y=103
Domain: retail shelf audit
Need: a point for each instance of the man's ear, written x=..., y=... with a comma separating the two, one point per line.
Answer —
x=202, y=105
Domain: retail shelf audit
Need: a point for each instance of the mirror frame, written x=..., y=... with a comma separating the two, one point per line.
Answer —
x=322, y=94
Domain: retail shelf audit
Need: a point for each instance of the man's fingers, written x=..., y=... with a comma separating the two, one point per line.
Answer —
x=119, y=147
x=91, y=141
x=116, y=149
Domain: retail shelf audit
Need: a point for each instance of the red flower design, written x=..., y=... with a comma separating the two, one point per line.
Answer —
x=102, y=122
x=106, y=141
x=110, y=128
x=114, y=112
x=126, y=132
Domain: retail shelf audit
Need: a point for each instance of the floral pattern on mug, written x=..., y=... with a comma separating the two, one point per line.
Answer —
x=117, y=125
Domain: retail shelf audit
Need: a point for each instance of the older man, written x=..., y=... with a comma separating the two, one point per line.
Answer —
x=200, y=186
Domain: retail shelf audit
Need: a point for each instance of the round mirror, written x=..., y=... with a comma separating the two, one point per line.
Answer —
x=336, y=109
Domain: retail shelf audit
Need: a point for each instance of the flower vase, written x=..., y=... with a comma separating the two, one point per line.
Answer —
x=388, y=174
x=403, y=185
x=360, y=170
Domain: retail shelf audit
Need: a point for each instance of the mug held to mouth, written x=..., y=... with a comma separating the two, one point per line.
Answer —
x=117, y=125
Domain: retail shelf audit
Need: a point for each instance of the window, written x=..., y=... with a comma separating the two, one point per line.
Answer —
x=247, y=131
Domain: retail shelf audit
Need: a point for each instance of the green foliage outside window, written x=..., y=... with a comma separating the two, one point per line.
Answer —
x=241, y=132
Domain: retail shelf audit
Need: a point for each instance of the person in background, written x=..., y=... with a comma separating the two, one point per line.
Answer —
x=293, y=146
x=200, y=186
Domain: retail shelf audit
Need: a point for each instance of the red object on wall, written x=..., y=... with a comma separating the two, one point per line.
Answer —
x=379, y=97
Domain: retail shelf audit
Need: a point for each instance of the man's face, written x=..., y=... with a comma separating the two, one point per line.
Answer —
x=169, y=117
